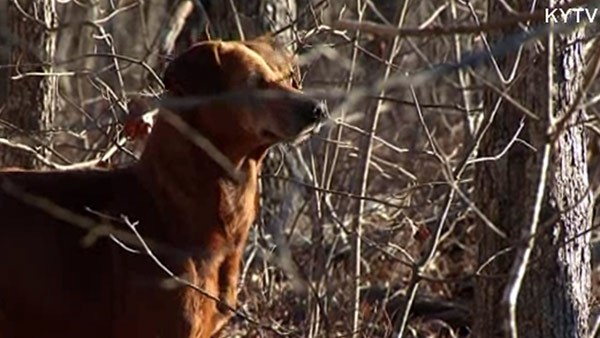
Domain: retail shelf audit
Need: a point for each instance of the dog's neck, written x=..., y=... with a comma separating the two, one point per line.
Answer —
x=210, y=209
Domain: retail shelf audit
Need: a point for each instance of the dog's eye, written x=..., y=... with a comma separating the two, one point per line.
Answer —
x=295, y=83
x=256, y=79
x=294, y=78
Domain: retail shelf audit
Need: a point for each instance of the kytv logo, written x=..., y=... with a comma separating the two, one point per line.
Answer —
x=562, y=15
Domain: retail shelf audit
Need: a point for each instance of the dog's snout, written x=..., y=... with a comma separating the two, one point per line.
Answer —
x=320, y=112
x=316, y=111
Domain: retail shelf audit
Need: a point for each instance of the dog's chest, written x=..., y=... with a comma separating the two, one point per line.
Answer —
x=238, y=207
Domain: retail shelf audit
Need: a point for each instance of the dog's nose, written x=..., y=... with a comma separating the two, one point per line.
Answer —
x=320, y=112
x=312, y=111
x=317, y=111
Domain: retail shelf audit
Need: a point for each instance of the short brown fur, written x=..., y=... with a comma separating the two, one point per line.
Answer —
x=51, y=286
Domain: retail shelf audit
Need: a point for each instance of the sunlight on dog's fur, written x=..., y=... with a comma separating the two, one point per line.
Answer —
x=177, y=196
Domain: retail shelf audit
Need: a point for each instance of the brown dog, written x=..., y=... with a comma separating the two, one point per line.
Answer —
x=178, y=196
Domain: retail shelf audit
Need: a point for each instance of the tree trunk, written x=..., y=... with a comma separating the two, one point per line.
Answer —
x=246, y=19
x=31, y=99
x=4, y=50
x=554, y=297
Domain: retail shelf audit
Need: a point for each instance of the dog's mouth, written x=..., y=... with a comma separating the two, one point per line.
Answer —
x=269, y=135
x=306, y=133
x=301, y=138
x=275, y=135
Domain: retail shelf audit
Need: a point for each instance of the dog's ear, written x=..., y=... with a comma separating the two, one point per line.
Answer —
x=269, y=39
x=196, y=72
x=277, y=56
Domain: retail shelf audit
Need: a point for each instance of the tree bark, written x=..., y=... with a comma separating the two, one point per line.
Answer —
x=4, y=51
x=239, y=19
x=554, y=297
x=31, y=99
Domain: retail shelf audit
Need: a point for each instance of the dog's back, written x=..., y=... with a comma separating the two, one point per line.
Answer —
x=43, y=262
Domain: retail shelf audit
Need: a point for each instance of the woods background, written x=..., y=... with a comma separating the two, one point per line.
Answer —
x=439, y=180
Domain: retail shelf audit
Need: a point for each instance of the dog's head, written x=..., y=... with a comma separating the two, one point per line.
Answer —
x=242, y=95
